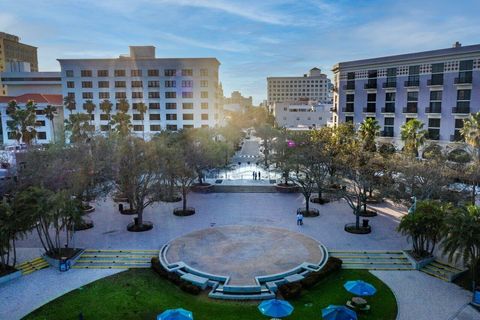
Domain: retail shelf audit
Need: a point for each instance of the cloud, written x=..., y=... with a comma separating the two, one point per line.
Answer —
x=229, y=46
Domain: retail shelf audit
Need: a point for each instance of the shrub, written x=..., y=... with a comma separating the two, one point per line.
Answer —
x=333, y=265
x=290, y=290
x=174, y=278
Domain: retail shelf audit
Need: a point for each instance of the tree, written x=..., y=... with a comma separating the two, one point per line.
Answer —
x=284, y=156
x=78, y=125
x=266, y=133
x=142, y=109
x=69, y=103
x=121, y=120
x=471, y=133
x=368, y=130
x=50, y=113
x=23, y=121
x=432, y=151
x=462, y=241
x=106, y=107
x=425, y=226
x=413, y=135
x=89, y=106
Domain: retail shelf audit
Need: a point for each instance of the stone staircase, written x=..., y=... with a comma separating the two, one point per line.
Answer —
x=373, y=260
x=115, y=259
x=36, y=264
x=442, y=270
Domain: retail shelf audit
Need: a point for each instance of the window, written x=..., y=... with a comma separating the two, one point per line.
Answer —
x=70, y=84
x=390, y=102
x=349, y=119
x=434, y=128
x=87, y=84
x=136, y=73
x=154, y=105
x=412, y=102
x=104, y=127
x=102, y=73
x=187, y=116
x=203, y=83
x=204, y=105
x=69, y=73
x=170, y=72
x=187, y=105
x=154, y=116
x=187, y=83
x=170, y=94
x=434, y=122
x=437, y=74
x=103, y=84
x=349, y=102
x=371, y=102
x=170, y=84
x=187, y=72
x=435, y=102
x=120, y=84
x=119, y=73
x=438, y=67
x=137, y=116
x=388, y=127
x=104, y=116
x=170, y=105
x=464, y=94
x=153, y=84
x=204, y=94
x=203, y=72
x=41, y=135
x=172, y=127
x=137, y=84
x=466, y=65
x=137, y=95
x=154, y=95
x=71, y=95
x=120, y=95
x=86, y=73
x=413, y=76
x=155, y=127
x=138, y=127
x=187, y=126
x=104, y=95
x=40, y=123
x=187, y=95
x=87, y=95
x=171, y=116
x=463, y=101
x=465, y=72
x=153, y=73
x=204, y=116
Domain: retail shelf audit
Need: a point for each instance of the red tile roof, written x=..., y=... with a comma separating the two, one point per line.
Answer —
x=54, y=99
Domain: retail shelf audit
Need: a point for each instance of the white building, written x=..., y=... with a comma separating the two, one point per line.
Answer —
x=314, y=86
x=179, y=92
x=19, y=83
x=43, y=125
x=302, y=116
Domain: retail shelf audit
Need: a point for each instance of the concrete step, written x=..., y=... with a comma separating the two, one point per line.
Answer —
x=373, y=259
x=36, y=264
x=435, y=274
x=377, y=266
x=244, y=189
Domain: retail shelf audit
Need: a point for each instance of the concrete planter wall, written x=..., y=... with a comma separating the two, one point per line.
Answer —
x=202, y=188
x=55, y=263
x=418, y=264
x=10, y=276
x=287, y=189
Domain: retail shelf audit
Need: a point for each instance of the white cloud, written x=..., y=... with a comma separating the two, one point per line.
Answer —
x=230, y=46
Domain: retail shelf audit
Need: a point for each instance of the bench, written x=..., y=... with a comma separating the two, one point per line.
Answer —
x=196, y=280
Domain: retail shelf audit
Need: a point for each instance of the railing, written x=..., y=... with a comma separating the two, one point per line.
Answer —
x=433, y=110
x=388, y=110
x=390, y=85
x=433, y=136
x=370, y=85
x=435, y=82
x=463, y=80
x=412, y=83
x=461, y=110
x=369, y=110
x=387, y=133
x=457, y=137
x=347, y=110
x=411, y=109
x=349, y=86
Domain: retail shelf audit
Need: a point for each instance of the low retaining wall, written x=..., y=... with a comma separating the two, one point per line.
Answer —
x=55, y=263
x=11, y=276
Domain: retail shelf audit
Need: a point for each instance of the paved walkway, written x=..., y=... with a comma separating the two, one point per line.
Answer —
x=422, y=297
x=21, y=296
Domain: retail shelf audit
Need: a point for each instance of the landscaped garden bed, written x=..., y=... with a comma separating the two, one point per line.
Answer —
x=286, y=188
x=319, y=200
x=352, y=228
x=180, y=212
x=137, y=227
x=312, y=212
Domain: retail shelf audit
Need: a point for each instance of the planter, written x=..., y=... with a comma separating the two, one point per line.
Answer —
x=127, y=212
x=88, y=208
x=312, y=212
x=84, y=225
x=71, y=257
x=184, y=213
x=351, y=228
x=319, y=200
x=286, y=188
x=135, y=227
x=202, y=188
x=418, y=263
x=368, y=214
x=10, y=275
x=171, y=199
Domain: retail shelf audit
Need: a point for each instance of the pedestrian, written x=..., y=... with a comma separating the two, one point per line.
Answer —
x=259, y=175
x=253, y=175
x=299, y=218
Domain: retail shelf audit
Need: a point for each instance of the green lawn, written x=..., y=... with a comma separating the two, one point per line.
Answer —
x=142, y=294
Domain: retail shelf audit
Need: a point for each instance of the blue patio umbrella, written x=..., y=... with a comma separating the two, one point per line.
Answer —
x=333, y=312
x=360, y=288
x=175, y=314
x=276, y=308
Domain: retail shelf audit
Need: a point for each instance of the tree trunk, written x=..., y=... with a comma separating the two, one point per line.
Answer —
x=184, y=198
x=307, y=203
x=140, y=215
x=357, y=215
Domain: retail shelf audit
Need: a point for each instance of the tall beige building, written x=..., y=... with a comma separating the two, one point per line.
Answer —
x=12, y=51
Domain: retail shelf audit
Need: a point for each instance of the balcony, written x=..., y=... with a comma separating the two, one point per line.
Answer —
x=369, y=110
x=435, y=82
x=412, y=83
x=411, y=108
x=349, y=86
x=390, y=84
x=388, y=110
x=457, y=137
x=387, y=133
x=461, y=110
x=347, y=110
x=370, y=85
x=463, y=80
x=433, y=109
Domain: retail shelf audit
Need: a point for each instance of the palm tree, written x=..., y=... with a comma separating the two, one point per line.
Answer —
x=368, y=130
x=471, y=133
x=69, y=103
x=123, y=105
x=463, y=238
x=89, y=106
x=78, y=125
x=122, y=123
x=23, y=121
x=50, y=113
x=413, y=135
x=142, y=109
x=106, y=107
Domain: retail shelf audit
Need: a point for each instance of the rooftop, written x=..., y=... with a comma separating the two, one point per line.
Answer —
x=54, y=99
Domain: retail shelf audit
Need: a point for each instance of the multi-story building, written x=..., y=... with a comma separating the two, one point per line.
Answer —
x=12, y=51
x=301, y=115
x=43, y=125
x=179, y=92
x=439, y=87
x=237, y=102
x=18, y=83
x=314, y=86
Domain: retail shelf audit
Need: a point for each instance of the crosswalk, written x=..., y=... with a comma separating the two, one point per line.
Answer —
x=115, y=259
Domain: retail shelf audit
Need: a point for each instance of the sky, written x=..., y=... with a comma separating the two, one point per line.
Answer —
x=253, y=39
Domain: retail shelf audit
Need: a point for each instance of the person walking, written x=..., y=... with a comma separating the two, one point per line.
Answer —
x=253, y=175
x=259, y=175
x=299, y=218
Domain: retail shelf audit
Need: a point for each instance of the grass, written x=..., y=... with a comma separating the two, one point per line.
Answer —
x=142, y=294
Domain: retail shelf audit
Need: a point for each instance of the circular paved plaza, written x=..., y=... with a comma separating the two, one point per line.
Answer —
x=244, y=252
